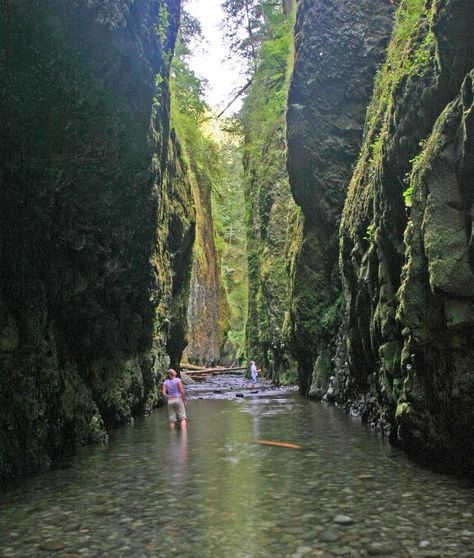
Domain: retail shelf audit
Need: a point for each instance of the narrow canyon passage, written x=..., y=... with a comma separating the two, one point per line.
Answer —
x=315, y=216
x=215, y=493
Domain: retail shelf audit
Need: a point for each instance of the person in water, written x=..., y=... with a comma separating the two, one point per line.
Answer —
x=254, y=372
x=173, y=392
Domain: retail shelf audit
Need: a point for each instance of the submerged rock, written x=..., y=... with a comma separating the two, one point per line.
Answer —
x=343, y=519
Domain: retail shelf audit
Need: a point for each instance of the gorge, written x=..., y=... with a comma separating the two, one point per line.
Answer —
x=325, y=230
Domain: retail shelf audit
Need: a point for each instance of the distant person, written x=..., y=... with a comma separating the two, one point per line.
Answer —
x=173, y=392
x=254, y=372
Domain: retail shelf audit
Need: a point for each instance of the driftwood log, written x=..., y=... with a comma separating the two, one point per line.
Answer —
x=196, y=372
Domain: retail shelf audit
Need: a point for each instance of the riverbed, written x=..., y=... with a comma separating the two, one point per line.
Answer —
x=216, y=492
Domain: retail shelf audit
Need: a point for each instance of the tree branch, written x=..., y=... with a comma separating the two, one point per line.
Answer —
x=239, y=93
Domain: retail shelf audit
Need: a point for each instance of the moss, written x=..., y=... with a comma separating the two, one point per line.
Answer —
x=321, y=373
x=403, y=410
x=410, y=303
x=327, y=104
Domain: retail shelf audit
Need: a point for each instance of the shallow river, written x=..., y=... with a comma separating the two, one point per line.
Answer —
x=214, y=492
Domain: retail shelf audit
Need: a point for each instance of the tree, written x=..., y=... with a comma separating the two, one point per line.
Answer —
x=188, y=88
x=250, y=22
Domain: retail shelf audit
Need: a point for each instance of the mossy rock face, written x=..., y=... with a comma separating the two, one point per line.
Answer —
x=337, y=48
x=207, y=308
x=405, y=241
x=439, y=334
x=87, y=225
x=270, y=213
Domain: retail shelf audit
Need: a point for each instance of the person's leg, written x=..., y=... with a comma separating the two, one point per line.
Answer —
x=172, y=414
x=181, y=411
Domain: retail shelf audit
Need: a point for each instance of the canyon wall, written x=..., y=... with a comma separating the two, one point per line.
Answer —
x=337, y=48
x=207, y=308
x=406, y=241
x=388, y=330
x=271, y=211
x=96, y=226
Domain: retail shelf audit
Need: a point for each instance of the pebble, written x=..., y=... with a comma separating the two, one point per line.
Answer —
x=52, y=546
x=343, y=519
x=298, y=495
x=342, y=551
x=104, y=511
x=329, y=536
x=381, y=549
x=351, y=537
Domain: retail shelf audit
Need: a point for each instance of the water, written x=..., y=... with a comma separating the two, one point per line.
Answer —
x=214, y=492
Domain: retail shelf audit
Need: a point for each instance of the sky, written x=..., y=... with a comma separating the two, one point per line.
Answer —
x=209, y=59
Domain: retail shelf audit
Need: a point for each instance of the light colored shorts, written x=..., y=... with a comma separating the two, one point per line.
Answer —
x=176, y=409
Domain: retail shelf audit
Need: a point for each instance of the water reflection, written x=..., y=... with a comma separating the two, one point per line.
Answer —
x=178, y=459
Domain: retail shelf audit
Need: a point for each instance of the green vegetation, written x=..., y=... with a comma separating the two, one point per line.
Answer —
x=410, y=56
x=229, y=216
x=369, y=235
x=415, y=162
x=212, y=150
x=252, y=24
x=409, y=53
x=269, y=204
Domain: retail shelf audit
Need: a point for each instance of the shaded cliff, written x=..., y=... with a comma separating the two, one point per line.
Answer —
x=96, y=222
x=337, y=48
x=406, y=241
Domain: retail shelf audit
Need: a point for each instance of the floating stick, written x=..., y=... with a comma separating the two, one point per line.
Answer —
x=278, y=444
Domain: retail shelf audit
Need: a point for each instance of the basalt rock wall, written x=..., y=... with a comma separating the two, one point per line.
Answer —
x=96, y=221
x=337, y=48
x=207, y=309
x=407, y=244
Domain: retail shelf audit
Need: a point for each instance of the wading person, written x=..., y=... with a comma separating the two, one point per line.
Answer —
x=173, y=392
x=254, y=372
